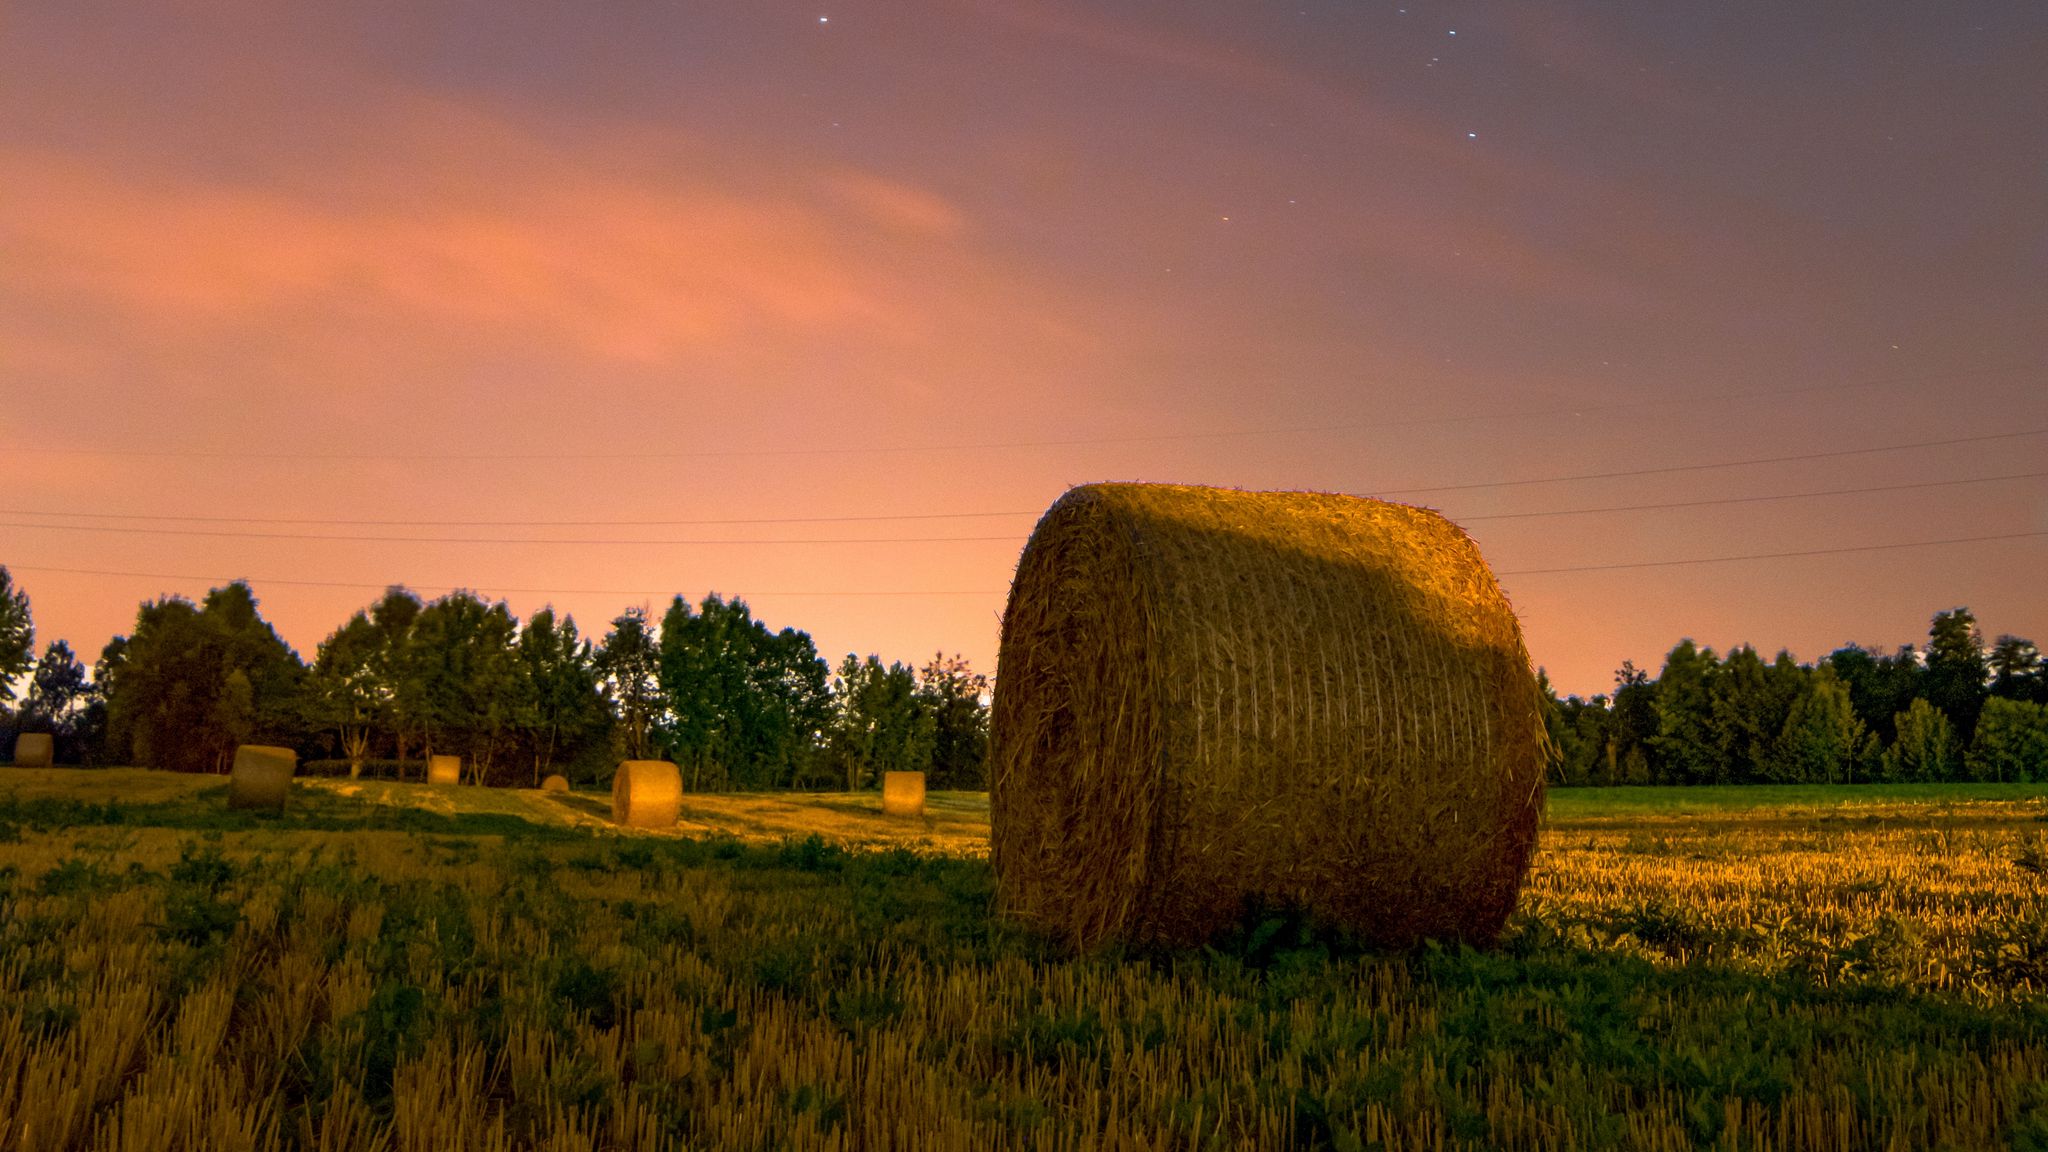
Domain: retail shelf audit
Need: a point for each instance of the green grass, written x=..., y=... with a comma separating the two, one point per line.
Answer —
x=1686, y=972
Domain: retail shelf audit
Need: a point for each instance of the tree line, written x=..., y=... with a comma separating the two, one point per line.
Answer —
x=707, y=685
x=1954, y=709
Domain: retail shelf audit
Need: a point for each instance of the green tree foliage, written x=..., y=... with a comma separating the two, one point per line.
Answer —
x=1822, y=737
x=1956, y=669
x=1926, y=748
x=2011, y=742
x=2017, y=670
x=628, y=667
x=560, y=707
x=58, y=697
x=1634, y=726
x=465, y=678
x=346, y=691
x=878, y=725
x=17, y=634
x=192, y=682
x=1684, y=709
x=1880, y=686
x=747, y=707
x=956, y=698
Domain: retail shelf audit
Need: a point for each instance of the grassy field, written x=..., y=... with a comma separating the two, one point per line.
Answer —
x=392, y=967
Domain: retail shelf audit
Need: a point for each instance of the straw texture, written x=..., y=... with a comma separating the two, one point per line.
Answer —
x=261, y=777
x=444, y=769
x=903, y=793
x=34, y=750
x=1208, y=699
x=647, y=794
x=555, y=783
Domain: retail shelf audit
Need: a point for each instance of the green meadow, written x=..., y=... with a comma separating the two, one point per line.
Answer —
x=387, y=966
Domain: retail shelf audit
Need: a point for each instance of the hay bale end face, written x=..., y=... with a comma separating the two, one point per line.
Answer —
x=647, y=794
x=444, y=769
x=34, y=750
x=555, y=783
x=261, y=777
x=903, y=793
x=1210, y=700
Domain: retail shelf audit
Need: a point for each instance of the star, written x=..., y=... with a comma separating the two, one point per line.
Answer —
x=824, y=19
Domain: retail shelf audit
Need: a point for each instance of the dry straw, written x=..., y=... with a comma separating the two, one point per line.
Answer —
x=444, y=769
x=261, y=777
x=1208, y=699
x=903, y=793
x=647, y=794
x=555, y=783
x=33, y=750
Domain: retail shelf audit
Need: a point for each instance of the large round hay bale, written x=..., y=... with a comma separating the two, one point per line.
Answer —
x=647, y=794
x=444, y=769
x=1209, y=701
x=903, y=793
x=261, y=777
x=34, y=750
x=555, y=783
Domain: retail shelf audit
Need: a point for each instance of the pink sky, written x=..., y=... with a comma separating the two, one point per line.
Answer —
x=345, y=266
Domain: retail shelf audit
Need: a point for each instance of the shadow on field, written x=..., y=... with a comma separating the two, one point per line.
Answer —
x=310, y=810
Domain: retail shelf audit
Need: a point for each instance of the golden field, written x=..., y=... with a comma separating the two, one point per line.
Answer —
x=389, y=966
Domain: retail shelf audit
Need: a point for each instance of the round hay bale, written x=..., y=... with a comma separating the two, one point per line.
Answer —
x=444, y=769
x=555, y=783
x=647, y=794
x=903, y=793
x=34, y=750
x=1209, y=701
x=261, y=777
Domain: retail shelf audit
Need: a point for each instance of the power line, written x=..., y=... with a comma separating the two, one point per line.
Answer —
x=218, y=533
x=181, y=518
x=982, y=446
x=1709, y=467
x=1691, y=561
x=254, y=580
x=1769, y=555
x=1751, y=499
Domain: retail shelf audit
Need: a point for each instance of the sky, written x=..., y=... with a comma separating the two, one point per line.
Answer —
x=822, y=304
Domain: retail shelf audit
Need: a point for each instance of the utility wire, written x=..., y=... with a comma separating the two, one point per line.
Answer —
x=1709, y=467
x=999, y=592
x=248, y=535
x=983, y=446
x=1769, y=555
x=965, y=515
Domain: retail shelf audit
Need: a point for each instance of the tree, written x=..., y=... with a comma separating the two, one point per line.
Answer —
x=173, y=698
x=628, y=669
x=878, y=726
x=747, y=707
x=1634, y=722
x=465, y=677
x=559, y=701
x=58, y=693
x=2011, y=743
x=1880, y=686
x=1750, y=703
x=344, y=689
x=1956, y=669
x=2017, y=670
x=1926, y=747
x=17, y=634
x=1822, y=735
x=954, y=695
x=1683, y=707
x=391, y=623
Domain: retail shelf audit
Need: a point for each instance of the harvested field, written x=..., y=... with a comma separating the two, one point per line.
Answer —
x=501, y=969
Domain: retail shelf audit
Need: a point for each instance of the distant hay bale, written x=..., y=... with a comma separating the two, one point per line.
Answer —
x=555, y=783
x=261, y=777
x=903, y=793
x=34, y=750
x=444, y=769
x=647, y=794
x=1209, y=700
